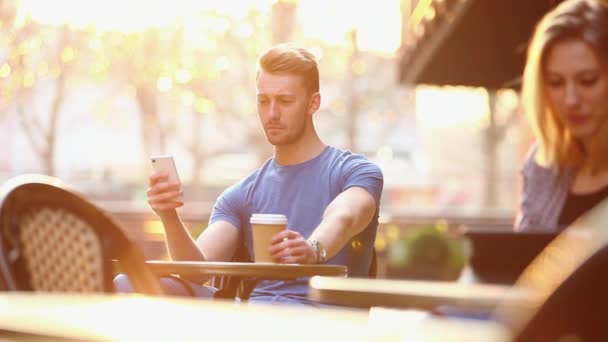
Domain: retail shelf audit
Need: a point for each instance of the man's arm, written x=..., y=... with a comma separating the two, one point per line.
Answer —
x=217, y=242
x=347, y=215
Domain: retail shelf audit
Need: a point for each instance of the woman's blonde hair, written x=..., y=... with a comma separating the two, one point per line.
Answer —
x=586, y=20
x=288, y=59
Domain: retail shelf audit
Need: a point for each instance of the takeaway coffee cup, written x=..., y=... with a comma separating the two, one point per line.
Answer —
x=264, y=227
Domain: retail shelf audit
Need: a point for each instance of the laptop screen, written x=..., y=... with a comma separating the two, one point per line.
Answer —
x=500, y=256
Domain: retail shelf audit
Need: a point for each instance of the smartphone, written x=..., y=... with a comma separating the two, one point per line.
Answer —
x=165, y=163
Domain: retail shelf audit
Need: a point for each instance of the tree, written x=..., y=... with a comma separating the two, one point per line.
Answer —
x=178, y=76
x=38, y=61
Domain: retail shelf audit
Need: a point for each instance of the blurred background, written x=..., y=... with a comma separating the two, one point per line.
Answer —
x=90, y=89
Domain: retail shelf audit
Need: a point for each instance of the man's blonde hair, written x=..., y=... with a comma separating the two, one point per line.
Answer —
x=288, y=59
x=586, y=20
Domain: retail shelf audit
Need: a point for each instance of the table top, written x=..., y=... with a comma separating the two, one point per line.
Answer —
x=426, y=295
x=139, y=318
x=246, y=269
x=63, y=317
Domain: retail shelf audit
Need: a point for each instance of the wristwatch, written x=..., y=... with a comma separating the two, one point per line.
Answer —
x=320, y=251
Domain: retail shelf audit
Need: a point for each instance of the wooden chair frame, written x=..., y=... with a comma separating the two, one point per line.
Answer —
x=25, y=193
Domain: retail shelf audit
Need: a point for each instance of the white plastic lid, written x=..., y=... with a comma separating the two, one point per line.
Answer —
x=268, y=219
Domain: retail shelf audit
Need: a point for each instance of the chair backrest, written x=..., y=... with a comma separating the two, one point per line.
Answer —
x=567, y=271
x=373, y=267
x=575, y=311
x=54, y=240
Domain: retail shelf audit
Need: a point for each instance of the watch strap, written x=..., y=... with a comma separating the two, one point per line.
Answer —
x=319, y=250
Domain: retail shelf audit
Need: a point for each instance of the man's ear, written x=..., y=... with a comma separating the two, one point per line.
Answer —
x=315, y=103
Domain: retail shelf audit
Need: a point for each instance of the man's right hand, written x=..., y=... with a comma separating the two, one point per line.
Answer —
x=164, y=197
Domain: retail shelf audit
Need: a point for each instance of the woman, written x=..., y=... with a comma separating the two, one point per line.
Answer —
x=565, y=97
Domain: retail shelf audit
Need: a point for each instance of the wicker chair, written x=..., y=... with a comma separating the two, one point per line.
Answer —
x=54, y=240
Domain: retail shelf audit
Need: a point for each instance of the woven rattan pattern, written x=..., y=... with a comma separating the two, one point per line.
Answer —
x=62, y=252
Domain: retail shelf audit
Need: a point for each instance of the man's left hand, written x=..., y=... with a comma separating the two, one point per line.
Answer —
x=289, y=247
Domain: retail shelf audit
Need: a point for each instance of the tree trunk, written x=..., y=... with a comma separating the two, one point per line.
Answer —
x=351, y=94
x=196, y=152
x=491, y=140
x=152, y=132
x=283, y=19
x=51, y=136
x=45, y=148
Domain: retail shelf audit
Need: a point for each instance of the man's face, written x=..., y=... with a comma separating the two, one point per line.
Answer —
x=285, y=107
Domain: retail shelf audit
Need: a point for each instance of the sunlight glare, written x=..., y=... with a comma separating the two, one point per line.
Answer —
x=130, y=15
x=451, y=106
x=5, y=70
x=183, y=76
x=378, y=23
x=164, y=84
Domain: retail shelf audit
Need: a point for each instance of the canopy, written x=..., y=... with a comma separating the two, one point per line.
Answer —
x=479, y=43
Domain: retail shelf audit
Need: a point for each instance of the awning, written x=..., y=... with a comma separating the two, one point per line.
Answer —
x=480, y=43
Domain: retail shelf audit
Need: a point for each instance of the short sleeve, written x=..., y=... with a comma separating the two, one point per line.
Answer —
x=358, y=171
x=529, y=165
x=229, y=206
x=542, y=196
x=527, y=171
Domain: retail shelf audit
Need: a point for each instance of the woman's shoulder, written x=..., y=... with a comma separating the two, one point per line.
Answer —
x=530, y=166
x=542, y=195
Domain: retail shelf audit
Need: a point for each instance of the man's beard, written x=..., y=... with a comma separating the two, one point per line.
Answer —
x=287, y=139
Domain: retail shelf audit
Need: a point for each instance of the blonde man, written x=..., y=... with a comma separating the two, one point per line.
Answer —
x=331, y=197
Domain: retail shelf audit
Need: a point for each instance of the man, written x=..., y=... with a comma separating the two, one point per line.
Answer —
x=329, y=196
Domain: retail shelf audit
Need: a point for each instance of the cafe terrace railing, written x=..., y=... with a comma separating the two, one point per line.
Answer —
x=143, y=226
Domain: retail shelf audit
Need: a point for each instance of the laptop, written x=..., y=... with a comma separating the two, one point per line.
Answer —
x=500, y=256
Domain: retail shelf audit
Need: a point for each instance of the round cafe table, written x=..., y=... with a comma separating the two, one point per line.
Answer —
x=267, y=271
x=248, y=272
x=246, y=269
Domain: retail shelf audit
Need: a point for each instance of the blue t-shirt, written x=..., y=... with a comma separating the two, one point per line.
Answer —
x=302, y=192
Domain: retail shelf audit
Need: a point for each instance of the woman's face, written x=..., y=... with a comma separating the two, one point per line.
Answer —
x=576, y=84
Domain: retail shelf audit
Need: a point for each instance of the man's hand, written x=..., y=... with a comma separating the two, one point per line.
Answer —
x=289, y=247
x=164, y=197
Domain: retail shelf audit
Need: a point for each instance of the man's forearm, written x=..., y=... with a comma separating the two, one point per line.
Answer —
x=335, y=231
x=344, y=218
x=179, y=242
